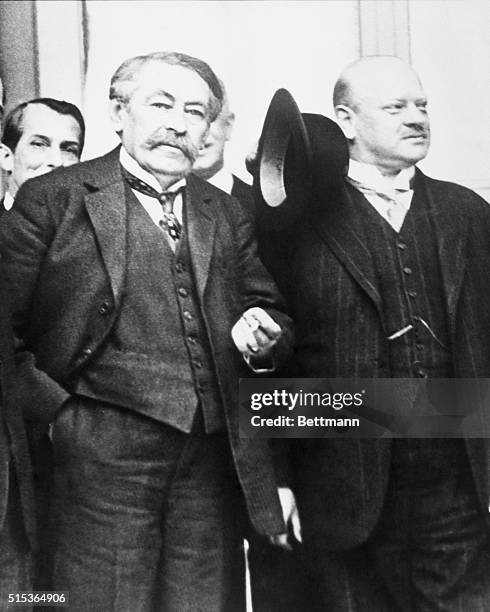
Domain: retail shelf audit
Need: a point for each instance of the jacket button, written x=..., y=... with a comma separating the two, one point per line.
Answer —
x=407, y=270
x=183, y=291
x=87, y=352
x=104, y=308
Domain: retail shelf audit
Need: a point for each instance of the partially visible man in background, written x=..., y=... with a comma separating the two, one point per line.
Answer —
x=210, y=165
x=39, y=136
x=16, y=496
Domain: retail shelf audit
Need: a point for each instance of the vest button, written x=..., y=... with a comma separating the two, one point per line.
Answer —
x=402, y=246
x=183, y=291
x=407, y=270
x=412, y=293
x=192, y=339
x=187, y=315
x=198, y=363
x=418, y=370
x=179, y=267
x=87, y=352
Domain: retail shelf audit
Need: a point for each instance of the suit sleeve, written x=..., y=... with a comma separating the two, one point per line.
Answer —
x=26, y=232
x=256, y=285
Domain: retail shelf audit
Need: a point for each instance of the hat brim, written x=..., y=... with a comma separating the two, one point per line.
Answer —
x=301, y=158
x=283, y=180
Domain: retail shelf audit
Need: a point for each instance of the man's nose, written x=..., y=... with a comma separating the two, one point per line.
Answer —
x=175, y=120
x=416, y=114
x=54, y=157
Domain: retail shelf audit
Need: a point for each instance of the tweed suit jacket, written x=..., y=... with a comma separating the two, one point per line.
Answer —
x=13, y=443
x=65, y=251
x=337, y=306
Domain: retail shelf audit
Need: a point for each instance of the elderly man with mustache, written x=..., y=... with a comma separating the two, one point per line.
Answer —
x=142, y=300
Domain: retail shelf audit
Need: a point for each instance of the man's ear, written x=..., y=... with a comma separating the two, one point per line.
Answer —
x=6, y=158
x=117, y=108
x=346, y=120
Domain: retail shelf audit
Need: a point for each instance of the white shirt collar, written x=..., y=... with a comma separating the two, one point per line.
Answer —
x=131, y=165
x=223, y=179
x=371, y=177
x=8, y=201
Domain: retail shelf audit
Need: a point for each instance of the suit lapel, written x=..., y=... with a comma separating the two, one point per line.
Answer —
x=106, y=207
x=450, y=228
x=201, y=230
x=340, y=227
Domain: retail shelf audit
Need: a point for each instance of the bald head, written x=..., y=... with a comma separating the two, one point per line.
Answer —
x=381, y=106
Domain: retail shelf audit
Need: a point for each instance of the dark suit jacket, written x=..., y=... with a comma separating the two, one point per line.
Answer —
x=13, y=444
x=244, y=193
x=65, y=250
x=337, y=307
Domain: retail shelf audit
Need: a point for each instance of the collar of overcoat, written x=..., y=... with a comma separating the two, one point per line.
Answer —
x=106, y=206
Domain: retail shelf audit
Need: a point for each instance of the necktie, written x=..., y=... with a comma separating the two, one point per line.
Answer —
x=395, y=211
x=169, y=223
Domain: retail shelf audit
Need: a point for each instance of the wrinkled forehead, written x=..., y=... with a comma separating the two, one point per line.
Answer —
x=156, y=77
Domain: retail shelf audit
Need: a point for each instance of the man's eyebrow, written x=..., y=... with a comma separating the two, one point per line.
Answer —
x=196, y=103
x=162, y=92
x=42, y=136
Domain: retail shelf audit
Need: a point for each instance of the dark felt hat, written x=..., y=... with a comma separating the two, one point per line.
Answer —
x=302, y=160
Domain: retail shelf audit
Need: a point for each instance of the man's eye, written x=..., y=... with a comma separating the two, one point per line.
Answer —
x=72, y=151
x=196, y=112
x=160, y=105
x=422, y=107
x=38, y=143
x=393, y=108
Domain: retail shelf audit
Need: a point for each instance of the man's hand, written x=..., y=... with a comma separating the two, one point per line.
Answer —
x=291, y=518
x=255, y=334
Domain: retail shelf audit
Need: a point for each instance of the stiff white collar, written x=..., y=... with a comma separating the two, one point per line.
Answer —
x=370, y=177
x=223, y=179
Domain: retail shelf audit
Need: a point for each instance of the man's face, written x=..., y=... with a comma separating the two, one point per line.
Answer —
x=390, y=125
x=49, y=140
x=211, y=156
x=165, y=120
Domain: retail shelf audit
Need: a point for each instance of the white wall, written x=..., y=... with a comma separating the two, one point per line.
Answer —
x=450, y=47
x=255, y=47
x=258, y=46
